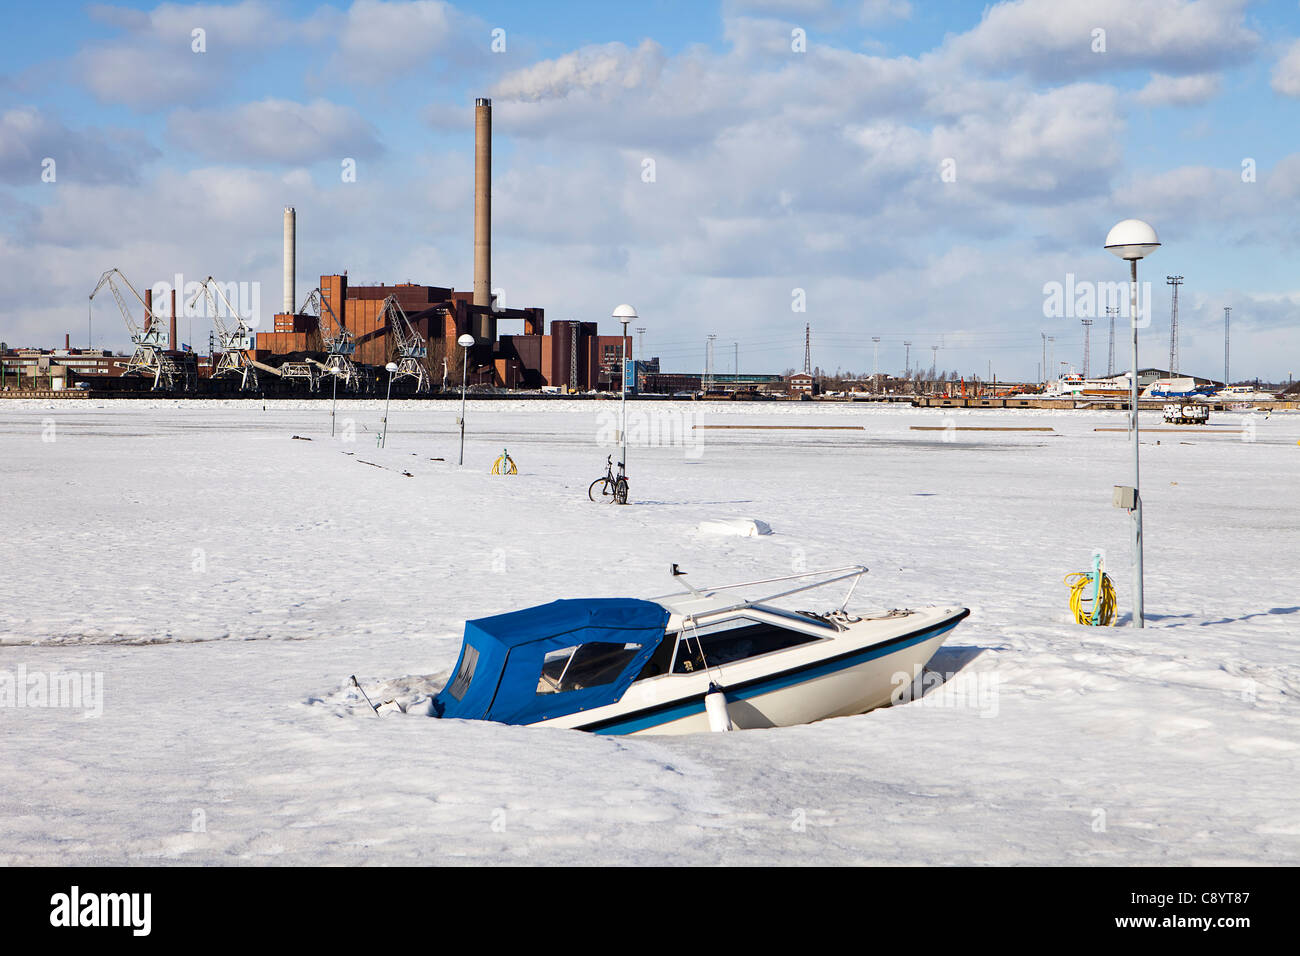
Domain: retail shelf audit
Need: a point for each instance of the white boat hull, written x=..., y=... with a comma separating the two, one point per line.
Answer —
x=862, y=668
x=854, y=690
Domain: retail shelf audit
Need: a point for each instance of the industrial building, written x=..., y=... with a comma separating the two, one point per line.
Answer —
x=572, y=355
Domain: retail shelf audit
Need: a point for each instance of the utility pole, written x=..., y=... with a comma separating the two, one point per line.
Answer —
x=1110, y=354
x=907, y=360
x=934, y=361
x=875, y=363
x=807, y=349
x=735, y=361
x=708, y=364
x=1087, y=344
x=1227, y=309
x=1051, y=340
x=1174, y=281
x=1042, y=368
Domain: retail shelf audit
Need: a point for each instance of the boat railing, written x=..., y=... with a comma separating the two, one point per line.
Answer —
x=852, y=571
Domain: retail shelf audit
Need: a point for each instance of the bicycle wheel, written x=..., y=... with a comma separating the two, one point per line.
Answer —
x=620, y=491
x=591, y=492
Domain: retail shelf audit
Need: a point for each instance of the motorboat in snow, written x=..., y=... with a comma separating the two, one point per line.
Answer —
x=698, y=660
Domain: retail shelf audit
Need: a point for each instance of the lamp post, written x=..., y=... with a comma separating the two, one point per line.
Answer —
x=466, y=342
x=1133, y=239
x=625, y=314
x=383, y=438
x=334, y=403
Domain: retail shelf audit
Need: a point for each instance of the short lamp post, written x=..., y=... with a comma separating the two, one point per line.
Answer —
x=466, y=342
x=383, y=438
x=1133, y=239
x=625, y=314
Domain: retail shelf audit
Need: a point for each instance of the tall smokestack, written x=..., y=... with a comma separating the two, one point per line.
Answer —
x=148, y=309
x=173, y=335
x=290, y=238
x=483, y=203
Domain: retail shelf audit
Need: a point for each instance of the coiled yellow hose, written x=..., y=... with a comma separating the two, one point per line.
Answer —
x=1083, y=586
x=504, y=465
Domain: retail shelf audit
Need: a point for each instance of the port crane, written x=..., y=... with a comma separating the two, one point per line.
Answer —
x=233, y=344
x=339, y=343
x=409, y=348
x=150, y=340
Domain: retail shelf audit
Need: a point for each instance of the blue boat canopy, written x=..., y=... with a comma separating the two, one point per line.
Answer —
x=551, y=660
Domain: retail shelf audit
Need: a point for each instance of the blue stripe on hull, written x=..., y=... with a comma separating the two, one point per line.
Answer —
x=633, y=722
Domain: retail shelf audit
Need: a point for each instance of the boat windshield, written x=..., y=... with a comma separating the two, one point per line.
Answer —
x=723, y=641
x=733, y=639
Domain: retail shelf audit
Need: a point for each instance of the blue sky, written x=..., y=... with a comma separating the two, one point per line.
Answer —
x=775, y=169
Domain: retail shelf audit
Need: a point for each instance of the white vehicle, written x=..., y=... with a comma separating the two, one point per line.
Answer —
x=694, y=661
x=1186, y=413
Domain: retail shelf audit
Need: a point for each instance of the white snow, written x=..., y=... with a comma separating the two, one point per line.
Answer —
x=742, y=527
x=226, y=581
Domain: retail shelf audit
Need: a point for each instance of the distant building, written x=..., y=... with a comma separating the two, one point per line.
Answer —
x=30, y=368
x=801, y=383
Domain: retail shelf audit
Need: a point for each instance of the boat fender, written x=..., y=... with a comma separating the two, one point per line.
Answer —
x=715, y=705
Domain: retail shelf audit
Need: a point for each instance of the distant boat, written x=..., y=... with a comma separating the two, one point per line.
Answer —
x=1178, y=388
x=1245, y=394
x=1074, y=385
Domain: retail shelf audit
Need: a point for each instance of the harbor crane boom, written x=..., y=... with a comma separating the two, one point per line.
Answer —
x=233, y=344
x=339, y=343
x=150, y=340
x=409, y=348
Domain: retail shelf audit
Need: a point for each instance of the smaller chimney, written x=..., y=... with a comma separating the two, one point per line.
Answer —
x=148, y=308
x=173, y=329
x=67, y=341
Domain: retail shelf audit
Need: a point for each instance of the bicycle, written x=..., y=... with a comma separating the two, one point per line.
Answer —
x=611, y=485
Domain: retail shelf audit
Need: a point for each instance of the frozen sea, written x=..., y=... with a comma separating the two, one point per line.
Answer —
x=212, y=583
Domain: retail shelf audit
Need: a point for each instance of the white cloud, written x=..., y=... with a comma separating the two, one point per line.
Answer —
x=1193, y=90
x=154, y=65
x=1054, y=40
x=277, y=131
x=1286, y=73
x=380, y=39
x=28, y=136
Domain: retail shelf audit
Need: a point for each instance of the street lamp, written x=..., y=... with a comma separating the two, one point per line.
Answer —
x=466, y=342
x=1133, y=239
x=383, y=438
x=625, y=314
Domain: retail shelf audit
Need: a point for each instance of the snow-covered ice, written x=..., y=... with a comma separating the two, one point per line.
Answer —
x=226, y=580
